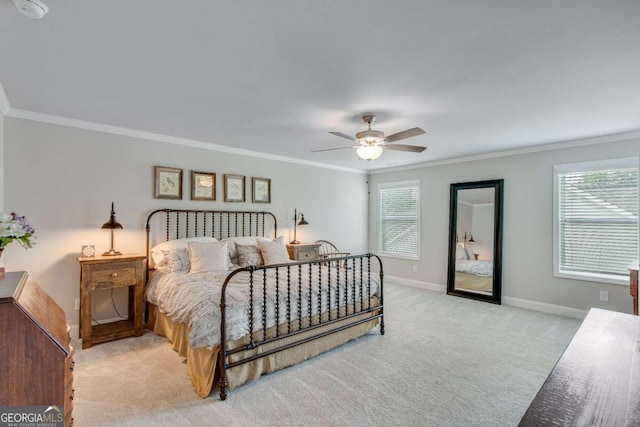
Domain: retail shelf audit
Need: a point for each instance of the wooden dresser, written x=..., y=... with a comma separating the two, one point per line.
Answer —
x=35, y=354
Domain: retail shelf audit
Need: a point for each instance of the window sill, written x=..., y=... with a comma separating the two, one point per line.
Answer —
x=593, y=277
x=382, y=254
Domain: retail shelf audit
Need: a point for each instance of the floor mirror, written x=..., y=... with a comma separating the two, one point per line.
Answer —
x=475, y=240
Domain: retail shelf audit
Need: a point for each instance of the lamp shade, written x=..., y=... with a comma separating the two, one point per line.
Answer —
x=369, y=152
x=302, y=220
x=112, y=224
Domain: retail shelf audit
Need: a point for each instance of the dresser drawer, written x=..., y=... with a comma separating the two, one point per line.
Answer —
x=69, y=365
x=113, y=275
x=68, y=402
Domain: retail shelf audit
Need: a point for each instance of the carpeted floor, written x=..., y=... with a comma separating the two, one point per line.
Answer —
x=444, y=361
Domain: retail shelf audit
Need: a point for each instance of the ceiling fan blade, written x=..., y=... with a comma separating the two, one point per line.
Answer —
x=404, y=147
x=329, y=149
x=343, y=135
x=404, y=134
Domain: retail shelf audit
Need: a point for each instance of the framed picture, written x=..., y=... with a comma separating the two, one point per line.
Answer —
x=261, y=190
x=203, y=185
x=234, y=188
x=168, y=183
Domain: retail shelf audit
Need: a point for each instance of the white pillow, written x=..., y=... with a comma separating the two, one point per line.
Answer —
x=470, y=254
x=205, y=257
x=274, y=252
x=241, y=240
x=158, y=256
x=460, y=252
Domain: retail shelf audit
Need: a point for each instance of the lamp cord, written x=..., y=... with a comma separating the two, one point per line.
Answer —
x=116, y=308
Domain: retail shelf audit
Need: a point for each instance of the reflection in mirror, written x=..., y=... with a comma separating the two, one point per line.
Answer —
x=475, y=233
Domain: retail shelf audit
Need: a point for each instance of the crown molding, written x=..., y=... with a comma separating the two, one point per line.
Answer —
x=616, y=137
x=140, y=134
x=4, y=101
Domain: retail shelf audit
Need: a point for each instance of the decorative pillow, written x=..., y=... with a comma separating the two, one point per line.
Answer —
x=460, y=252
x=249, y=255
x=176, y=260
x=274, y=252
x=158, y=256
x=241, y=240
x=205, y=257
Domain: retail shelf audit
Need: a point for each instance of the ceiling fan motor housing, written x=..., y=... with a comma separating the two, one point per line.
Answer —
x=370, y=137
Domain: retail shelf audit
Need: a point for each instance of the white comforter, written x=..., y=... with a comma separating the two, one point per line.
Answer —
x=194, y=299
x=479, y=268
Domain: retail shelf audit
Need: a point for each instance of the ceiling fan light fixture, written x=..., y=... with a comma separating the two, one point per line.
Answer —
x=32, y=8
x=369, y=152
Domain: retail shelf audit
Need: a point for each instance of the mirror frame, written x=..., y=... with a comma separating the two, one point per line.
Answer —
x=498, y=186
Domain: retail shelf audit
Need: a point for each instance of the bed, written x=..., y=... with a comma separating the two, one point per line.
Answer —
x=472, y=274
x=221, y=288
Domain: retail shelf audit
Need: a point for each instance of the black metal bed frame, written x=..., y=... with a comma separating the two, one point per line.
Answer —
x=223, y=224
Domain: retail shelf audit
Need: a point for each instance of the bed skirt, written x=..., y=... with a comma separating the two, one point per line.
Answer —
x=202, y=362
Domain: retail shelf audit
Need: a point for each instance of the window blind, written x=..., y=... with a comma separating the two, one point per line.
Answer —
x=598, y=220
x=399, y=219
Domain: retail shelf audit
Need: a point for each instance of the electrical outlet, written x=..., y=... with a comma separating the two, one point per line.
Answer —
x=604, y=295
x=415, y=268
x=77, y=304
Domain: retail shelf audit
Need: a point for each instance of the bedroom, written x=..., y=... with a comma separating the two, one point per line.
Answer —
x=69, y=198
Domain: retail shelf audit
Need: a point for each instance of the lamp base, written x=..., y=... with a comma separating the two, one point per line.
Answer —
x=112, y=252
x=294, y=242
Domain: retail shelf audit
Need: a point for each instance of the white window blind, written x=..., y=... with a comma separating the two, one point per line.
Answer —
x=597, y=219
x=399, y=219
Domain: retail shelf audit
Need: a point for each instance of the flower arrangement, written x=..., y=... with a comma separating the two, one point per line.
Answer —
x=15, y=227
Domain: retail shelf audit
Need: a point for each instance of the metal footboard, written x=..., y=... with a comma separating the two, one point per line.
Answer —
x=337, y=290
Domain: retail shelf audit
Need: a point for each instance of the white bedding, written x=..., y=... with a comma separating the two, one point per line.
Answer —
x=194, y=299
x=479, y=268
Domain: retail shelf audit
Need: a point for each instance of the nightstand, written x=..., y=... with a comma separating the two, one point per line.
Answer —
x=304, y=251
x=110, y=272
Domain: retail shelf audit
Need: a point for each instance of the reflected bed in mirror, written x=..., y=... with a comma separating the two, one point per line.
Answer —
x=475, y=240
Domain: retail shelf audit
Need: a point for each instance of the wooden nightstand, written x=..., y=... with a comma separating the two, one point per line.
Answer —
x=109, y=272
x=304, y=251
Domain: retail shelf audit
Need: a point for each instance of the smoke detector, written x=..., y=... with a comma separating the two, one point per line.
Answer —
x=32, y=8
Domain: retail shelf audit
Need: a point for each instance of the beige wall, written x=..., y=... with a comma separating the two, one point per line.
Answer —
x=64, y=180
x=528, y=192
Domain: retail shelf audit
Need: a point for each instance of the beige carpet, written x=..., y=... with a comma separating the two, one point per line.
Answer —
x=444, y=361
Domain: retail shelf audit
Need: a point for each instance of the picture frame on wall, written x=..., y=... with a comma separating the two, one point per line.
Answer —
x=234, y=188
x=168, y=183
x=203, y=186
x=261, y=192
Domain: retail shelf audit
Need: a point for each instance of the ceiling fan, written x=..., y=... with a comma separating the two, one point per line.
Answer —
x=372, y=142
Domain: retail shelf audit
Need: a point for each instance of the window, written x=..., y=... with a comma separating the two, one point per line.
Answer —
x=596, y=220
x=399, y=219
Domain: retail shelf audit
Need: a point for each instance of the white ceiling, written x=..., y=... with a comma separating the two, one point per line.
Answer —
x=277, y=76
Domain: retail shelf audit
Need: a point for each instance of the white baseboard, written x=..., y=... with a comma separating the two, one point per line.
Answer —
x=416, y=284
x=75, y=329
x=560, y=310
x=543, y=307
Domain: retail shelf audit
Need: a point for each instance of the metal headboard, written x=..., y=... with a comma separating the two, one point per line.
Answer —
x=184, y=223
